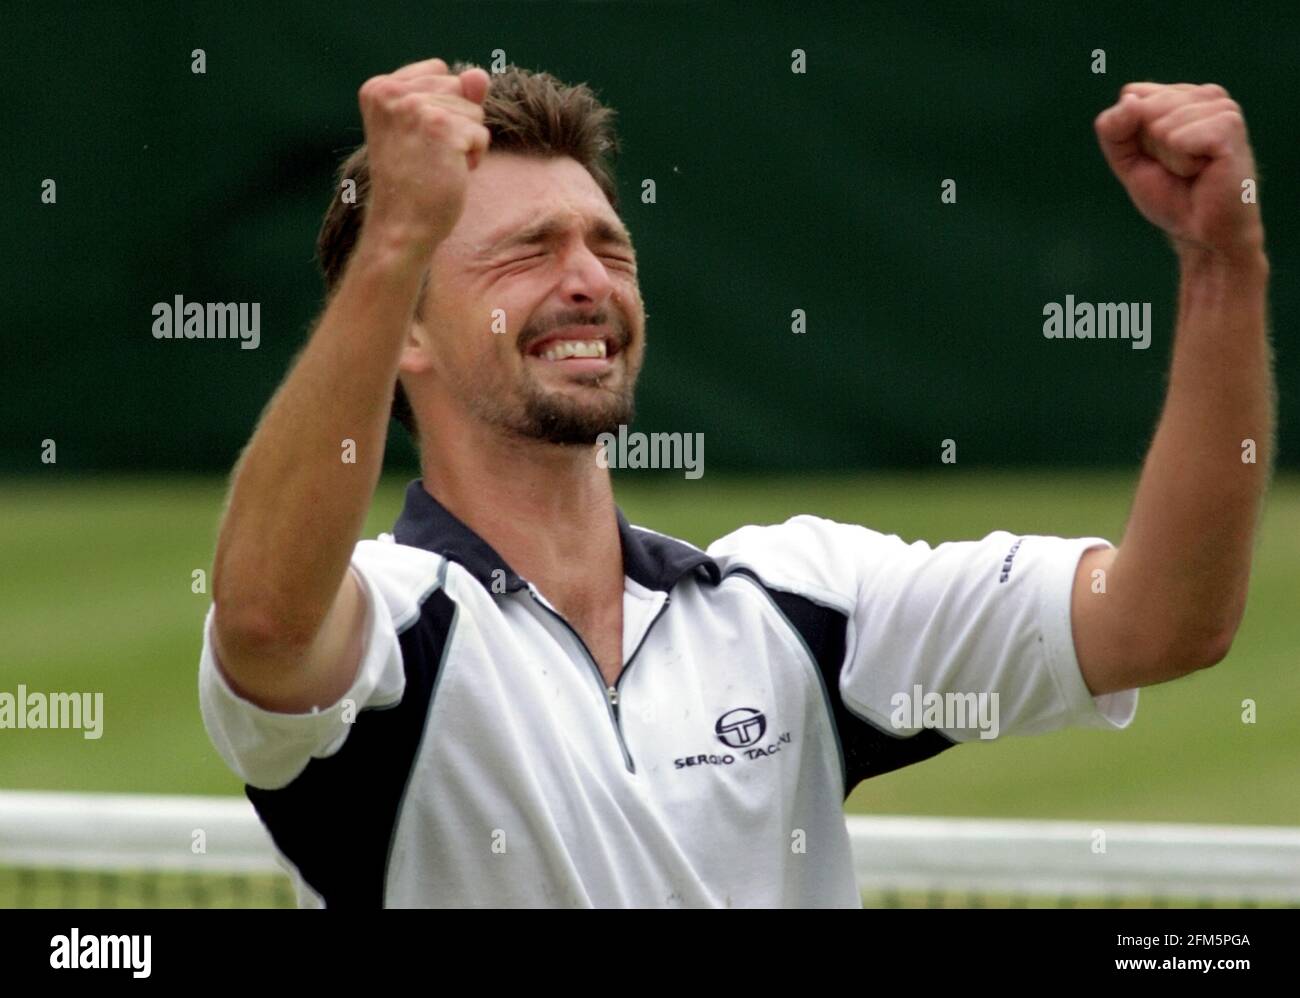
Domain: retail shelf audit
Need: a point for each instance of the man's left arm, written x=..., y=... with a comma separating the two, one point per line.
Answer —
x=1175, y=588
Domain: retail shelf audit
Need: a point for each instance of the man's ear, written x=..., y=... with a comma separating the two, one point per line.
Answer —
x=417, y=347
x=417, y=356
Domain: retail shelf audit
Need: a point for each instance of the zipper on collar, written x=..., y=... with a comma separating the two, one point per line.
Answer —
x=611, y=693
x=632, y=658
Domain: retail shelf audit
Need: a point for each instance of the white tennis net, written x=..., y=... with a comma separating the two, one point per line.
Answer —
x=116, y=850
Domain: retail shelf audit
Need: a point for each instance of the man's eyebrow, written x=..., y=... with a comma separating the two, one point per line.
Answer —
x=546, y=229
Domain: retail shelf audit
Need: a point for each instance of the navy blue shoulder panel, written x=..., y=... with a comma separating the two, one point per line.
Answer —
x=868, y=750
x=336, y=820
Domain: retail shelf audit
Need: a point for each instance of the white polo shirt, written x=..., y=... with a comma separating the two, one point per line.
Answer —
x=479, y=759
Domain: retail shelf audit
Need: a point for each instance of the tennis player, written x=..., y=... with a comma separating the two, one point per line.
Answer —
x=519, y=698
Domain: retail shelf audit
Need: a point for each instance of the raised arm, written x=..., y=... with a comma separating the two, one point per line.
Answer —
x=1175, y=588
x=288, y=614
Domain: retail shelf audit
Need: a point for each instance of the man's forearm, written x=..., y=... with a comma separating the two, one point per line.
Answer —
x=1186, y=553
x=296, y=507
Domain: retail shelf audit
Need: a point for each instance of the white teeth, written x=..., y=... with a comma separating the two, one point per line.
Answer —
x=574, y=348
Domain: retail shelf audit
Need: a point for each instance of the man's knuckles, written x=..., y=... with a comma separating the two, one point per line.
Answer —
x=377, y=89
x=1164, y=131
x=1187, y=113
x=385, y=92
x=423, y=111
x=1143, y=88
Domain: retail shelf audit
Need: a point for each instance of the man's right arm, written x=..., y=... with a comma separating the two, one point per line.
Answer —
x=287, y=621
x=289, y=615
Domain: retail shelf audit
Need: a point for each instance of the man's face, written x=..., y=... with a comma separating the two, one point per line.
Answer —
x=534, y=318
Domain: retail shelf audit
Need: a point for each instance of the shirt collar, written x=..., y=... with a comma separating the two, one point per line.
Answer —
x=649, y=559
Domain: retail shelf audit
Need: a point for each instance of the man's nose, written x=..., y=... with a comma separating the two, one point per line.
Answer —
x=585, y=276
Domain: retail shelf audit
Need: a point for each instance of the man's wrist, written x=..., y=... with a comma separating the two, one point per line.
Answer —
x=1247, y=263
x=394, y=249
x=385, y=273
x=1243, y=270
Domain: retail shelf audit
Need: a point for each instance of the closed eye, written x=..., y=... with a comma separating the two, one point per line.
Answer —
x=611, y=257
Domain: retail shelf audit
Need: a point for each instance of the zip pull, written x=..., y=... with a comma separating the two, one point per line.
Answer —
x=612, y=693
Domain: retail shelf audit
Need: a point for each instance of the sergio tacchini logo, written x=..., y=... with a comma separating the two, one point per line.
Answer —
x=740, y=727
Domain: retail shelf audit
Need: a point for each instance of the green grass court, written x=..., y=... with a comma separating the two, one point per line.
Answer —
x=96, y=596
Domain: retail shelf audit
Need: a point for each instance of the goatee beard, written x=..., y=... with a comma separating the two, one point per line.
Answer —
x=560, y=420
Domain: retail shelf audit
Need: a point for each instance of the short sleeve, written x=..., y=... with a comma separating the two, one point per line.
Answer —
x=269, y=749
x=971, y=637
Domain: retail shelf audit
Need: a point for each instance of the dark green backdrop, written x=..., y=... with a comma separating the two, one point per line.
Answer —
x=776, y=191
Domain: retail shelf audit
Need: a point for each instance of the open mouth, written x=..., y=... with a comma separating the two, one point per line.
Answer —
x=577, y=349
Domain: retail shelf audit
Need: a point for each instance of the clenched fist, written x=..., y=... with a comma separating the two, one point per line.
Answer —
x=1182, y=154
x=424, y=133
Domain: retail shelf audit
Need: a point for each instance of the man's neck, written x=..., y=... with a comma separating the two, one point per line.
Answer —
x=547, y=510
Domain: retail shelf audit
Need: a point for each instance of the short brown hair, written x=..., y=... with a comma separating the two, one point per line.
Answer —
x=526, y=112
